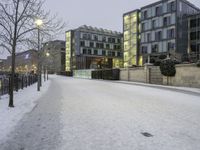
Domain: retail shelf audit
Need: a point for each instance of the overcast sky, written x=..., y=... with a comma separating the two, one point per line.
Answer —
x=98, y=13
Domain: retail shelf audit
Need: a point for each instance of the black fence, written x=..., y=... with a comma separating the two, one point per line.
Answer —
x=107, y=74
x=65, y=73
x=20, y=82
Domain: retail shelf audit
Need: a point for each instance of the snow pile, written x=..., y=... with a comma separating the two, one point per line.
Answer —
x=24, y=101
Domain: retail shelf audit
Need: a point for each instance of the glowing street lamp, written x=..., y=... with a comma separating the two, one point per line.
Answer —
x=39, y=23
x=47, y=54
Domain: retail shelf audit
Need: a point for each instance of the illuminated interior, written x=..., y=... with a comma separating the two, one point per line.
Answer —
x=68, y=51
x=131, y=39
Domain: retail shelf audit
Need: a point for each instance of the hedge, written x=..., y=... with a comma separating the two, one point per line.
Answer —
x=106, y=74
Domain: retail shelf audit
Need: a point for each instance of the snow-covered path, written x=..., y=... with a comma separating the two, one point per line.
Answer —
x=81, y=114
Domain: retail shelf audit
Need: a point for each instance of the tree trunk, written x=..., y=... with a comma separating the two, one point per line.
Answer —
x=11, y=103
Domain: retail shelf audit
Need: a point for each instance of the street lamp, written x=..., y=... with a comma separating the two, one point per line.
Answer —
x=47, y=54
x=39, y=23
x=45, y=66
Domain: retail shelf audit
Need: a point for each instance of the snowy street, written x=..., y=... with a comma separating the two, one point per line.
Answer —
x=78, y=114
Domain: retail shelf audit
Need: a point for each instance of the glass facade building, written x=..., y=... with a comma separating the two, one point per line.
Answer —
x=92, y=48
x=131, y=30
x=194, y=37
x=162, y=29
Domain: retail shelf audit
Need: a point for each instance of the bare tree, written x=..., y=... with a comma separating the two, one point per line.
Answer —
x=17, y=27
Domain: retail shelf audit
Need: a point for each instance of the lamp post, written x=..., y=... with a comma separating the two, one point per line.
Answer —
x=39, y=23
x=45, y=67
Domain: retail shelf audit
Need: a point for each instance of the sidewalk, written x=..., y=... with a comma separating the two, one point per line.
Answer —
x=185, y=90
x=24, y=101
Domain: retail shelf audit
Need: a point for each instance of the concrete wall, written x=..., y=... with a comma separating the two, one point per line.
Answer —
x=186, y=75
x=134, y=74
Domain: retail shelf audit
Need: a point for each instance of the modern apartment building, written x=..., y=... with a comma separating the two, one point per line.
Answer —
x=164, y=30
x=55, y=60
x=131, y=28
x=92, y=48
x=194, y=37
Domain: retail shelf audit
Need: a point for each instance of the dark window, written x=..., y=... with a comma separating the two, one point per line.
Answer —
x=158, y=11
x=155, y=48
x=84, y=51
x=113, y=54
x=84, y=36
x=95, y=37
x=113, y=40
x=107, y=46
x=170, y=33
x=158, y=36
x=193, y=36
x=118, y=54
x=154, y=24
x=89, y=36
x=104, y=39
x=95, y=52
x=91, y=44
x=89, y=51
x=198, y=22
x=82, y=43
x=97, y=45
x=103, y=52
x=170, y=46
x=143, y=26
x=193, y=48
x=119, y=40
x=193, y=23
x=109, y=53
x=148, y=37
x=145, y=14
x=144, y=49
x=109, y=40
x=165, y=21
x=171, y=7
x=101, y=45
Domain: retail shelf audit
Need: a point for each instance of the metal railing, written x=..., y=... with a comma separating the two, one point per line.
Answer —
x=21, y=81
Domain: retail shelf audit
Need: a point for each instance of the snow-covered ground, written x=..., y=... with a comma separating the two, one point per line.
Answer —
x=78, y=114
x=108, y=116
x=24, y=102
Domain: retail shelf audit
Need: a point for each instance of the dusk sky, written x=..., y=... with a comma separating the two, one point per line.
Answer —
x=98, y=13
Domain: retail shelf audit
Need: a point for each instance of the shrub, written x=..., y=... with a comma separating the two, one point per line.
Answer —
x=157, y=63
x=162, y=57
x=106, y=74
x=152, y=61
x=167, y=68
